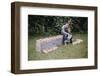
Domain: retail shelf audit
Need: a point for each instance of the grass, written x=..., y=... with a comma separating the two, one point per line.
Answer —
x=63, y=52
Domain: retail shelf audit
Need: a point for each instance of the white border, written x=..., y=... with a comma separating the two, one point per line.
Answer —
x=25, y=64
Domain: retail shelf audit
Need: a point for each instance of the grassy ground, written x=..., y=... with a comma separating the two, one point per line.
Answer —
x=63, y=52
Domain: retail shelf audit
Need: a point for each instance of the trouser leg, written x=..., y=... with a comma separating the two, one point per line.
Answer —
x=71, y=40
x=65, y=38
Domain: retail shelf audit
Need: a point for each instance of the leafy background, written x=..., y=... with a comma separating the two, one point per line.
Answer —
x=51, y=25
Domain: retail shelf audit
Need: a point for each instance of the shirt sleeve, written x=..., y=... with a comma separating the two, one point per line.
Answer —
x=63, y=29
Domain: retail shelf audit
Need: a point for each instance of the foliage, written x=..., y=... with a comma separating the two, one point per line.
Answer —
x=51, y=25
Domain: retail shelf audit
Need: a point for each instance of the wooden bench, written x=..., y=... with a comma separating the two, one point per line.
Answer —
x=48, y=44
